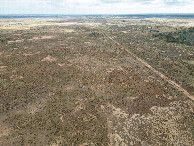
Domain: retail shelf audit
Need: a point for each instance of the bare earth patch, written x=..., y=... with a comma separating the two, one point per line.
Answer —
x=124, y=32
x=1, y=53
x=80, y=105
x=16, y=41
x=3, y=68
x=46, y=37
x=49, y=59
x=15, y=77
x=30, y=54
x=86, y=144
x=41, y=38
x=68, y=30
x=61, y=64
x=38, y=105
x=4, y=130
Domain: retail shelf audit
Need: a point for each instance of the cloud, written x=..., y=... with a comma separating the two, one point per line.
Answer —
x=111, y=1
x=95, y=6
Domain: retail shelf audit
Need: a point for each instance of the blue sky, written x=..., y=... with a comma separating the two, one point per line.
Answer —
x=95, y=6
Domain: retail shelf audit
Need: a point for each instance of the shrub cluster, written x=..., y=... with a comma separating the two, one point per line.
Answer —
x=185, y=36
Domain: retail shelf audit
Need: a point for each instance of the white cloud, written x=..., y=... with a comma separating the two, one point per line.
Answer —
x=95, y=6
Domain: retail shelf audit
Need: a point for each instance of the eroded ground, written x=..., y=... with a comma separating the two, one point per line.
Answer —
x=73, y=81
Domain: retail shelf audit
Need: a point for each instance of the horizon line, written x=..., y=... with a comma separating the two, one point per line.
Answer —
x=110, y=14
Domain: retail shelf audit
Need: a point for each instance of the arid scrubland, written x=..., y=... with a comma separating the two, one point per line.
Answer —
x=87, y=81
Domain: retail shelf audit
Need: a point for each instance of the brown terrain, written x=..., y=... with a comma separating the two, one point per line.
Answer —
x=95, y=81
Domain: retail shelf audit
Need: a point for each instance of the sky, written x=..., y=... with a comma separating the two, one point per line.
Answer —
x=95, y=6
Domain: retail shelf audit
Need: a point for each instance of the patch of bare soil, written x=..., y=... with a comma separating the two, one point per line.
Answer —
x=61, y=64
x=80, y=105
x=16, y=41
x=16, y=77
x=1, y=53
x=113, y=69
x=34, y=38
x=124, y=32
x=87, y=144
x=68, y=30
x=38, y=105
x=4, y=131
x=49, y=59
x=46, y=37
x=3, y=68
x=57, y=143
x=41, y=38
x=30, y=54
x=87, y=42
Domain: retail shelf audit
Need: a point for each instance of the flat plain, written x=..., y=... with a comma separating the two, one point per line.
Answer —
x=96, y=81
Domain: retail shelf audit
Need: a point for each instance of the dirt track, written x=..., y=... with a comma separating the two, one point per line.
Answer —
x=175, y=85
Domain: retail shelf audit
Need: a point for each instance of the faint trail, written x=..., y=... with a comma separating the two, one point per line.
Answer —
x=175, y=85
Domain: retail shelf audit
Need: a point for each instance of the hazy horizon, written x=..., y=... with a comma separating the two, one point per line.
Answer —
x=105, y=14
x=156, y=15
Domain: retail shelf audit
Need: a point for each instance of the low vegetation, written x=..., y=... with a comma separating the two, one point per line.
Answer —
x=185, y=36
x=72, y=81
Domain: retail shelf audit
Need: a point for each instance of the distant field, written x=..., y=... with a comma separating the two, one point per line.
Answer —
x=96, y=80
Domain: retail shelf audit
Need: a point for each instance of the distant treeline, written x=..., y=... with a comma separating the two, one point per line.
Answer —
x=185, y=36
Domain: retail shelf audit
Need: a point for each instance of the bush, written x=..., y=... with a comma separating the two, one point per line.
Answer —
x=185, y=36
x=94, y=34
